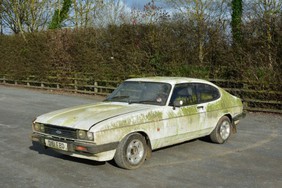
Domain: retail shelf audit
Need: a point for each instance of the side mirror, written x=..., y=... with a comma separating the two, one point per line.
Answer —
x=177, y=103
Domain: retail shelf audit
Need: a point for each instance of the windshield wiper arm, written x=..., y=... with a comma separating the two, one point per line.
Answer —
x=117, y=97
x=142, y=102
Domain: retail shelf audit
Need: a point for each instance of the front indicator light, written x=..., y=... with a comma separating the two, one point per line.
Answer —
x=42, y=128
x=80, y=148
x=90, y=136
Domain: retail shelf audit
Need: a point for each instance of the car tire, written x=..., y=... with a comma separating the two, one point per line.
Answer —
x=131, y=151
x=222, y=131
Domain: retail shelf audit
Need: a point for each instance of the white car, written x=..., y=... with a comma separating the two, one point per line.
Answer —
x=141, y=115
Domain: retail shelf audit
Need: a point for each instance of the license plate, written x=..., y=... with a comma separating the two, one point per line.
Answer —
x=56, y=144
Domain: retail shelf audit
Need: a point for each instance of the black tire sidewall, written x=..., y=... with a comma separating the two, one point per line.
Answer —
x=120, y=157
x=220, y=123
x=215, y=135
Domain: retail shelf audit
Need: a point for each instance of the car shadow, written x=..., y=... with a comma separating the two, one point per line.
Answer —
x=45, y=151
x=205, y=139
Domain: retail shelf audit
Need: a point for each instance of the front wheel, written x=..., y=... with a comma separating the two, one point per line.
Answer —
x=131, y=151
x=222, y=131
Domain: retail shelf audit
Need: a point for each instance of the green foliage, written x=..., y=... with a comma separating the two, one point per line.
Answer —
x=119, y=52
x=236, y=22
x=60, y=15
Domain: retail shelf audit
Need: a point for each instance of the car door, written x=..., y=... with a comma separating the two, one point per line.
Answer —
x=188, y=116
x=208, y=106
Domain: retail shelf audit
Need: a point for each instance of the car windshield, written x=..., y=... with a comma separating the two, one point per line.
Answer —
x=141, y=92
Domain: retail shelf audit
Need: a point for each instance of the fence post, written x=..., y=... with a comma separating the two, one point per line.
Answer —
x=27, y=83
x=4, y=79
x=57, y=81
x=95, y=87
x=245, y=104
x=245, y=86
x=75, y=82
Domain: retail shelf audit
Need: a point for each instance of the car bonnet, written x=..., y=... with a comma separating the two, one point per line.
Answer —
x=84, y=117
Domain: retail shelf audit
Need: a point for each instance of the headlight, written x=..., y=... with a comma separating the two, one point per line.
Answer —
x=38, y=127
x=81, y=134
x=84, y=135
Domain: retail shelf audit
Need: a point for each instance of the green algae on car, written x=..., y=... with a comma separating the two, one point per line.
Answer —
x=98, y=131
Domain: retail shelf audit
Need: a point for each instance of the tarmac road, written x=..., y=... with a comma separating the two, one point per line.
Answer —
x=251, y=158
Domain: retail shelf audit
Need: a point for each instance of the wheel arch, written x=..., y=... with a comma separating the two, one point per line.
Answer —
x=141, y=132
x=233, y=127
x=148, y=141
x=229, y=116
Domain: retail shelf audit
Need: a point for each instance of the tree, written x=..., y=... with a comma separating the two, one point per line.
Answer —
x=236, y=22
x=86, y=12
x=60, y=15
x=1, y=18
x=14, y=14
x=21, y=16
x=198, y=12
x=270, y=11
x=37, y=14
x=151, y=14
x=111, y=13
x=264, y=16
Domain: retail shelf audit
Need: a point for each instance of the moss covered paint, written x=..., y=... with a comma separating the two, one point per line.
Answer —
x=154, y=116
x=189, y=110
x=137, y=119
x=85, y=116
x=225, y=103
x=168, y=123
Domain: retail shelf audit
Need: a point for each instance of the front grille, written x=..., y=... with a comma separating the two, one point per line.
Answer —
x=60, y=131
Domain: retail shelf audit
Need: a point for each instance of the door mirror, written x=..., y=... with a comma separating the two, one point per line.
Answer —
x=177, y=103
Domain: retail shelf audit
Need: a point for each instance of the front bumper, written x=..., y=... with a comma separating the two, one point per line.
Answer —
x=73, y=145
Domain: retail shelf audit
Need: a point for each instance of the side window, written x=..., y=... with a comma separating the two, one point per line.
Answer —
x=207, y=93
x=185, y=93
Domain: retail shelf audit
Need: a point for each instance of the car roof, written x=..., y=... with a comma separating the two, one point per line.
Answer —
x=170, y=80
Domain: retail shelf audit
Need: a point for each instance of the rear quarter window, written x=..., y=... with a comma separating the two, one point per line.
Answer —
x=207, y=93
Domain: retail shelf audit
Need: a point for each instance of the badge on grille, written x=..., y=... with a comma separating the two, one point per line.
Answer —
x=58, y=132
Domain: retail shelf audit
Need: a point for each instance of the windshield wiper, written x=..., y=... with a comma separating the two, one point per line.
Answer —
x=143, y=102
x=117, y=97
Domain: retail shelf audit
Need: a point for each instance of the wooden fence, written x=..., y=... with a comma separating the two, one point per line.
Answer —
x=256, y=96
x=71, y=84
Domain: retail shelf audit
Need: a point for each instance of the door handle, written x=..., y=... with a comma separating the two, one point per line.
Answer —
x=198, y=107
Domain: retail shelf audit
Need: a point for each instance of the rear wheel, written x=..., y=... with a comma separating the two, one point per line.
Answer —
x=131, y=151
x=222, y=131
